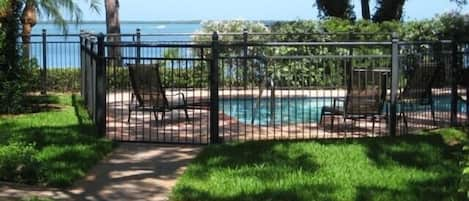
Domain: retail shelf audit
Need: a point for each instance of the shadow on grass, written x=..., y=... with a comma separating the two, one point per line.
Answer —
x=293, y=193
x=36, y=104
x=432, y=190
x=64, y=152
x=430, y=153
x=433, y=161
x=252, y=154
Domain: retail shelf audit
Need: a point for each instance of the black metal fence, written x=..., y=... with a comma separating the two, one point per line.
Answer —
x=204, y=88
x=56, y=60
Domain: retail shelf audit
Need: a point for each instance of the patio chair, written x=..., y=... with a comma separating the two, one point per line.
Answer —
x=418, y=89
x=150, y=94
x=365, y=98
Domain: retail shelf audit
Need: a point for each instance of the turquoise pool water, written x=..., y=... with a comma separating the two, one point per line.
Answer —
x=301, y=110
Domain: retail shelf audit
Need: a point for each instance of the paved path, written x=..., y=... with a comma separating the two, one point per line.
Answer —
x=132, y=172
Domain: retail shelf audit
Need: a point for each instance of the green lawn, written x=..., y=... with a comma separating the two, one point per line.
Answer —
x=54, y=146
x=421, y=167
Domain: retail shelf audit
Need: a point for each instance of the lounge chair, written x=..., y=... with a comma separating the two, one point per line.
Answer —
x=150, y=94
x=418, y=89
x=365, y=98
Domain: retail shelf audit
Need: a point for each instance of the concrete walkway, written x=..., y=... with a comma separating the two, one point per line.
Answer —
x=132, y=172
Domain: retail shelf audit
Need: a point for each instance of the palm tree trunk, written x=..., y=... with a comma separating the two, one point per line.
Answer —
x=28, y=20
x=366, y=9
x=113, y=27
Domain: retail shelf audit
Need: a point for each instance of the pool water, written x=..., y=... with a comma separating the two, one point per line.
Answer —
x=301, y=110
x=287, y=110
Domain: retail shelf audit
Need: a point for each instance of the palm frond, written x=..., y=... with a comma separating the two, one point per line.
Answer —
x=55, y=10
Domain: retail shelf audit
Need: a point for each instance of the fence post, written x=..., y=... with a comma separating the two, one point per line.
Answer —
x=454, y=84
x=82, y=69
x=85, y=68
x=245, y=60
x=139, y=40
x=394, y=85
x=101, y=87
x=44, y=63
x=214, y=76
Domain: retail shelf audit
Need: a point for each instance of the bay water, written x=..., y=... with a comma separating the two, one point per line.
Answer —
x=64, y=52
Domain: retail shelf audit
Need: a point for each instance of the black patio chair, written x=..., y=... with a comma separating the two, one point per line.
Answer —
x=150, y=94
x=365, y=97
x=418, y=89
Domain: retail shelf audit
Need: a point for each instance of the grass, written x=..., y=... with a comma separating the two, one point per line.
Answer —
x=53, y=147
x=420, y=167
x=36, y=199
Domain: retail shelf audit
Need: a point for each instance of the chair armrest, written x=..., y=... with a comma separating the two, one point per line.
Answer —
x=175, y=94
x=338, y=100
x=179, y=94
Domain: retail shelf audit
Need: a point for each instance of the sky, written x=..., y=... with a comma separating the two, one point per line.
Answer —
x=154, y=10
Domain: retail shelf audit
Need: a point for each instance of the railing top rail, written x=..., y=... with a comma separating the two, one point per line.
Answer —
x=297, y=57
x=329, y=43
x=50, y=35
x=220, y=33
x=161, y=45
x=425, y=42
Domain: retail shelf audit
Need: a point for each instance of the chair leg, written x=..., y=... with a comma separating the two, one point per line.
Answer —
x=321, y=119
x=128, y=118
x=187, y=114
x=156, y=115
x=332, y=123
x=162, y=115
x=432, y=108
x=406, y=125
x=130, y=106
x=322, y=116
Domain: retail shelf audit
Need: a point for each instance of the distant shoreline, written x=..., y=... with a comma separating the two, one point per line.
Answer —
x=132, y=22
x=151, y=22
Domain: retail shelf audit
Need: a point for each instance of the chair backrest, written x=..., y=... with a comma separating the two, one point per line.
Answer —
x=419, y=82
x=146, y=85
x=366, y=92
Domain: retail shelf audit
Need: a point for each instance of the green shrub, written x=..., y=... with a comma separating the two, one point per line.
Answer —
x=57, y=80
x=63, y=80
x=465, y=175
x=15, y=84
x=17, y=163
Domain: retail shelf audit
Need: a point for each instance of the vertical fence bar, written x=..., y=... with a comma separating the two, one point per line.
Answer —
x=82, y=69
x=101, y=87
x=245, y=60
x=44, y=63
x=214, y=79
x=394, y=85
x=454, y=85
x=138, y=51
x=85, y=69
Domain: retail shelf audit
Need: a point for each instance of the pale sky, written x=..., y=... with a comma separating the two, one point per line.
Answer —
x=154, y=10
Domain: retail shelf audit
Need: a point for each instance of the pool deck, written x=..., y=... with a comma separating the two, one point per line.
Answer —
x=174, y=128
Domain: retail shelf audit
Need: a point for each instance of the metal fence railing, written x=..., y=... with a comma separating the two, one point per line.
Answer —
x=56, y=59
x=238, y=87
x=93, y=75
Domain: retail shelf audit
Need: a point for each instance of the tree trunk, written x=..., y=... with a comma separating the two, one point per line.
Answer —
x=389, y=10
x=28, y=21
x=366, y=9
x=9, y=26
x=113, y=28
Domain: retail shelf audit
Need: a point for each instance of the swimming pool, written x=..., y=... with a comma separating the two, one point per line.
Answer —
x=286, y=110
x=301, y=110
